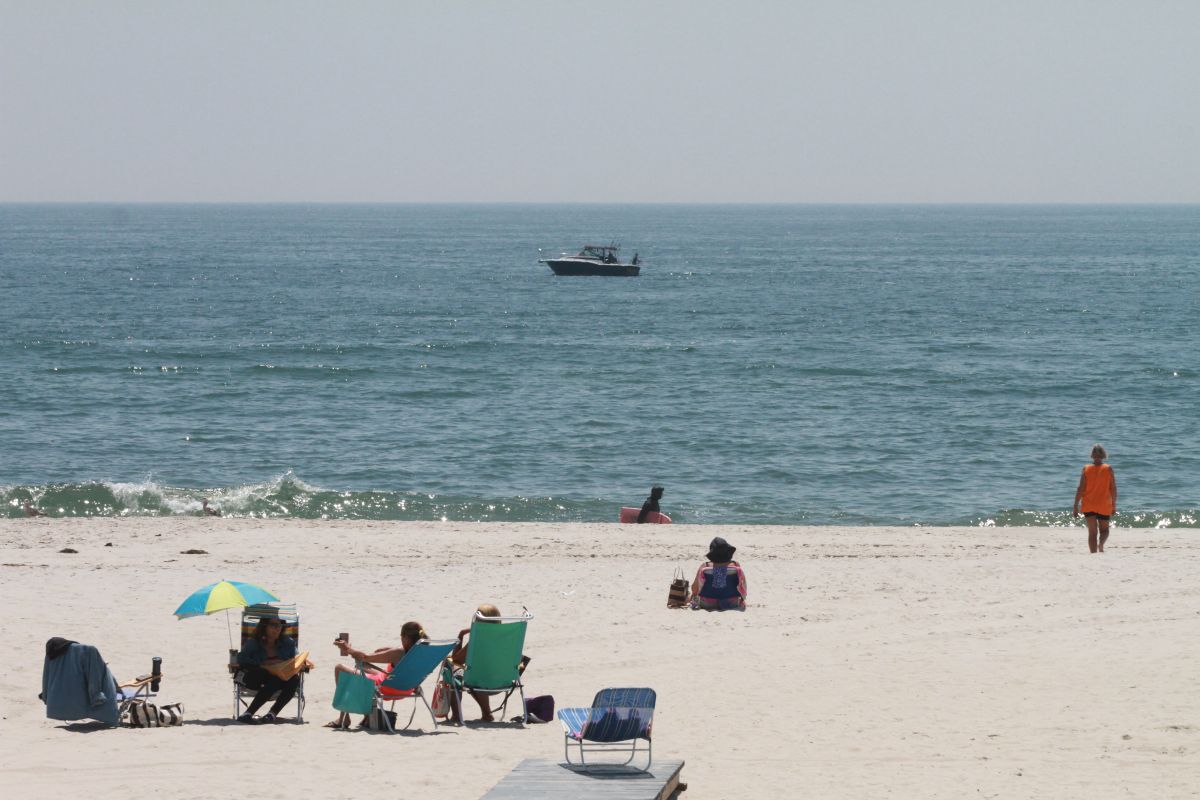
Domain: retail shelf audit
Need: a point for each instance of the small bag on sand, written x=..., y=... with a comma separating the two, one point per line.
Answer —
x=540, y=708
x=440, y=702
x=677, y=597
x=171, y=714
x=143, y=715
x=377, y=722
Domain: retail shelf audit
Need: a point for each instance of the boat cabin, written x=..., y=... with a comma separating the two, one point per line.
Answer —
x=606, y=254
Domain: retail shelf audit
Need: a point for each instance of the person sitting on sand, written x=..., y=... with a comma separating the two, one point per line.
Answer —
x=1096, y=497
x=209, y=512
x=410, y=634
x=32, y=511
x=651, y=504
x=268, y=645
x=457, y=663
x=720, y=583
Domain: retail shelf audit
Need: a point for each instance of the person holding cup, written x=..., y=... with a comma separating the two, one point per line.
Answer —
x=374, y=666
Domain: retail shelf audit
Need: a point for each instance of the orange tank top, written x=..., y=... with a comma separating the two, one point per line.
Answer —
x=1097, y=490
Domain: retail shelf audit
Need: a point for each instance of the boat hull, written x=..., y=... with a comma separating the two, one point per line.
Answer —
x=578, y=266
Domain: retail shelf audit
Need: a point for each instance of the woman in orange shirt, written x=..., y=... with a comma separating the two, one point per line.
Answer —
x=1096, y=497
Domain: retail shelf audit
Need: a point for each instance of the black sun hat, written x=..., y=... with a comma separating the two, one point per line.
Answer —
x=720, y=550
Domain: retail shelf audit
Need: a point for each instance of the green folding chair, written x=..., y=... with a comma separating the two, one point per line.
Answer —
x=494, y=654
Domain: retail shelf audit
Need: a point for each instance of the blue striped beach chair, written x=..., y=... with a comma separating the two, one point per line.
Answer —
x=242, y=695
x=616, y=721
x=405, y=679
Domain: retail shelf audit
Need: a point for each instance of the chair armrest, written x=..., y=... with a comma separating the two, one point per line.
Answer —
x=140, y=681
x=573, y=720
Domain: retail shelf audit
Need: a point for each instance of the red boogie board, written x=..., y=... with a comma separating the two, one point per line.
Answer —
x=631, y=515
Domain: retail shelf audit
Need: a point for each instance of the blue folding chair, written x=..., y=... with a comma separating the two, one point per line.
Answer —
x=617, y=720
x=410, y=672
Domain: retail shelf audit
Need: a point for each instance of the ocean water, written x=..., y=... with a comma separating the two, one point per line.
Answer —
x=904, y=365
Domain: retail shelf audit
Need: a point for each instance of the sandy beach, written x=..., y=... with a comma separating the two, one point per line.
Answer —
x=872, y=662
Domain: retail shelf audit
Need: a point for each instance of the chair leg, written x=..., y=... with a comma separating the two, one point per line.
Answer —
x=412, y=714
x=300, y=701
x=421, y=694
x=504, y=703
x=524, y=708
x=462, y=716
x=387, y=719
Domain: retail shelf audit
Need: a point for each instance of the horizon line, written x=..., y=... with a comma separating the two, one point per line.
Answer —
x=877, y=203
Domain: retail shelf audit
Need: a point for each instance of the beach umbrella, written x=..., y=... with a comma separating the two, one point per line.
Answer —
x=222, y=596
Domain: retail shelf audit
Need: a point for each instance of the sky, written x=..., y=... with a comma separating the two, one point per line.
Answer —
x=652, y=101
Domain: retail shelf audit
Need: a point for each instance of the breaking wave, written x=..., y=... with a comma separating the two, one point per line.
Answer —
x=289, y=496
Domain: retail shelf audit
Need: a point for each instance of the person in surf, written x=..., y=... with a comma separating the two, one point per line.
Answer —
x=651, y=504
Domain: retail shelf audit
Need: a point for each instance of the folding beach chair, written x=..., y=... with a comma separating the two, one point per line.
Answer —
x=137, y=690
x=78, y=684
x=617, y=717
x=494, y=654
x=242, y=694
x=404, y=681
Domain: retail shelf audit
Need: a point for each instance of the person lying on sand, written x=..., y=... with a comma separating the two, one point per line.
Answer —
x=410, y=634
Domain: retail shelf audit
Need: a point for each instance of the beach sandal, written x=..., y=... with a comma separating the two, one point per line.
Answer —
x=339, y=724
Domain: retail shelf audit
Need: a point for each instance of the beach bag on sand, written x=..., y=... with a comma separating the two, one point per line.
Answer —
x=143, y=715
x=677, y=597
x=441, y=699
x=171, y=714
x=354, y=693
x=376, y=721
x=540, y=708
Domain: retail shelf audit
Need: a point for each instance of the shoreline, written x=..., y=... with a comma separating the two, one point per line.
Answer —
x=288, y=497
x=931, y=662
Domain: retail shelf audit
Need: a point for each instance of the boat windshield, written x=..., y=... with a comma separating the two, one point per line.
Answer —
x=607, y=254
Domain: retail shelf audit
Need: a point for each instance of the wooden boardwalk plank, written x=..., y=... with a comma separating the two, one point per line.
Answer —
x=540, y=779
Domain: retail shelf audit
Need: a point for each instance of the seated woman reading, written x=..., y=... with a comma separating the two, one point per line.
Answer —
x=267, y=646
x=720, y=583
x=410, y=634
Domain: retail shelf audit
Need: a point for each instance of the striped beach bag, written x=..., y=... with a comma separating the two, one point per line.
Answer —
x=170, y=715
x=677, y=596
x=143, y=715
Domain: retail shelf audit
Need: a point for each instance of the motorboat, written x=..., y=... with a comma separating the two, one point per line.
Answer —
x=594, y=259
